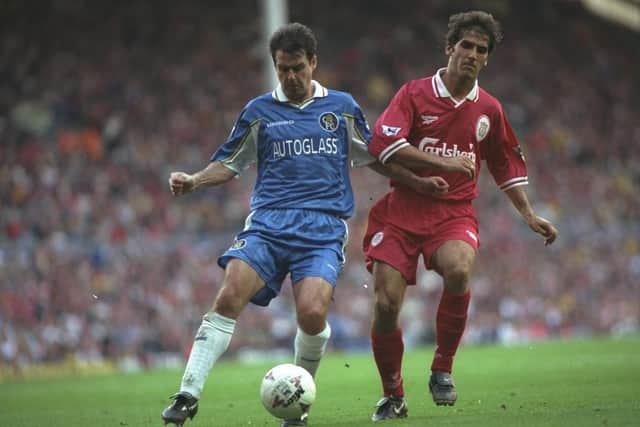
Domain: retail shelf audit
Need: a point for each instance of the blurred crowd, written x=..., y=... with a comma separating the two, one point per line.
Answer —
x=100, y=101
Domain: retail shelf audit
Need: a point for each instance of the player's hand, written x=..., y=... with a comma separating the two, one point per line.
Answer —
x=434, y=186
x=460, y=164
x=181, y=183
x=544, y=228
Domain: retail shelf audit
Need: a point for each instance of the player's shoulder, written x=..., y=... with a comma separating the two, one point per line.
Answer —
x=257, y=106
x=422, y=82
x=342, y=100
x=340, y=96
x=422, y=87
x=489, y=101
x=261, y=100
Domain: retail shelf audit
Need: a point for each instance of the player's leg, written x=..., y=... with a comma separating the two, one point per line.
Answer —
x=241, y=282
x=313, y=298
x=453, y=260
x=315, y=257
x=386, y=340
x=391, y=256
x=386, y=335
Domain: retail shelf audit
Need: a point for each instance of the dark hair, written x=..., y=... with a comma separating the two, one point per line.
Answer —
x=293, y=38
x=475, y=20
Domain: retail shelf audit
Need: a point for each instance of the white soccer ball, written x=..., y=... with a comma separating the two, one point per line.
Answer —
x=287, y=391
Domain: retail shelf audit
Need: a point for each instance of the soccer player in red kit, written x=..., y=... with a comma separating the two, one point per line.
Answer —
x=444, y=115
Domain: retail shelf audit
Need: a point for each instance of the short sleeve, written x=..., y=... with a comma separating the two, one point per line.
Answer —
x=392, y=128
x=503, y=154
x=240, y=150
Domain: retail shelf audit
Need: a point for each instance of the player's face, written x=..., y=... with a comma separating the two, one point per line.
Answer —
x=295, y=72
x=469, y=55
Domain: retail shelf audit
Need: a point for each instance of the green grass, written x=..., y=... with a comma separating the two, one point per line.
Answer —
x=561, y=383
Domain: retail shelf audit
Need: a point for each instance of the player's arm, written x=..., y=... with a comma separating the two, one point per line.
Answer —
x=520, y=201
x=236, y=154
x=214, y=174
x=391, y=134
x=431, y=186
x=506, y=162
x=410, y=157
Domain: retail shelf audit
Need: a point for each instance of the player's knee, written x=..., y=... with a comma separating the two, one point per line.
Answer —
x=229, y=303
x=387, y=307
x=312, y=318
x=456, y=279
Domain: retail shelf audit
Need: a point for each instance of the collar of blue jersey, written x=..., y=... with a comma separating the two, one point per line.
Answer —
x=441, y=90
x=319, y=92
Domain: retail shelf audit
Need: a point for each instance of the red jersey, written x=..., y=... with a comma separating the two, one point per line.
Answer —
x=424, y=114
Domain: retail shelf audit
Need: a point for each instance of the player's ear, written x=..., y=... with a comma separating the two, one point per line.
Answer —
x=314, y=62
x=448, y=50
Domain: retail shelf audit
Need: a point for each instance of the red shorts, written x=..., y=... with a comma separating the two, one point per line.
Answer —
x=390, y=241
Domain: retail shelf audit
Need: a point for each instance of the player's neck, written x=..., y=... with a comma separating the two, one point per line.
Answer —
x=457, y=85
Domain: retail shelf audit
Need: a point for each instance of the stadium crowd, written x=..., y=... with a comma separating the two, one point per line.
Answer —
x=99, y=101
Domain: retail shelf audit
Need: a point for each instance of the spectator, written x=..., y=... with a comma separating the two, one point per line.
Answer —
x=149, y=85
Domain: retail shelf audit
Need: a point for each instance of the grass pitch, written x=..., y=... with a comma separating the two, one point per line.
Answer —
x=559, y=383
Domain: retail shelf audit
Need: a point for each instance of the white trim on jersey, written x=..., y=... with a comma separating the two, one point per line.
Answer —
x=345, y=242
x=391, y=149
x=318, y=92
x=514, y=182
x=357, y=145
x=246, y=152
x=441, y=91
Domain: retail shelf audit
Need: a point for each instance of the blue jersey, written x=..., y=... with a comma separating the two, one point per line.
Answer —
x=302, y=151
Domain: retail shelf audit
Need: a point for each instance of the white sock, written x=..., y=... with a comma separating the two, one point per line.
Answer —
x=309, y=349
x=210, y=342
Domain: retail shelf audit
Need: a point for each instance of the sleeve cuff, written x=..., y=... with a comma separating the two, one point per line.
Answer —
x=386, y=154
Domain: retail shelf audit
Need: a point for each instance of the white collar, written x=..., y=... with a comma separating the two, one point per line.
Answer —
x=441, y=90
x=319, y=92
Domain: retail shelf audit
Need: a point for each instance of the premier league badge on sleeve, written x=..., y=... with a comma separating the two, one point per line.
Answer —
x=390, y=130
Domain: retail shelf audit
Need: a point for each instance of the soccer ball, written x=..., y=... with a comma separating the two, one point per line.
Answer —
x=287, y=391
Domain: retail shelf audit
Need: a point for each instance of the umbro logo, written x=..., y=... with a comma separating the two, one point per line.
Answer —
x=427, y=120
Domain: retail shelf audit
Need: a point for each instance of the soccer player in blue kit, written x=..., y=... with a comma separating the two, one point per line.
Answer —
x=301, y=136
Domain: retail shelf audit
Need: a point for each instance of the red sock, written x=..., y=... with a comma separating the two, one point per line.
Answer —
x=450, y=323
x=387, y=351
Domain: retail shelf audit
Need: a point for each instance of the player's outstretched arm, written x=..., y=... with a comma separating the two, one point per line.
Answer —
x=545, y=228
x=410, y=157
x=434, y=186
x=215, y=173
